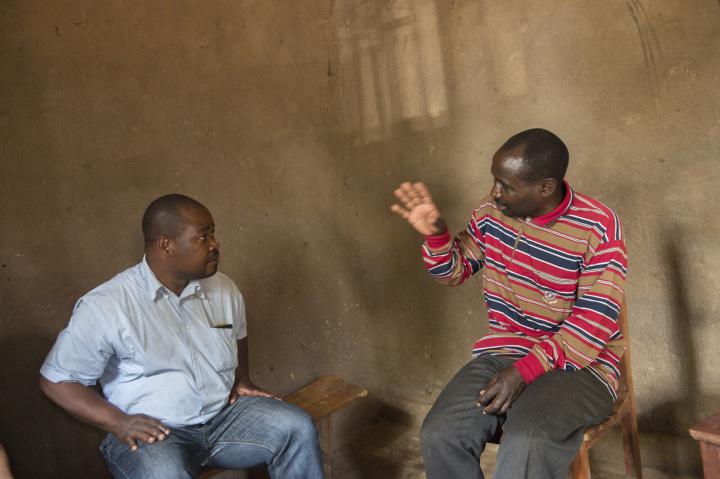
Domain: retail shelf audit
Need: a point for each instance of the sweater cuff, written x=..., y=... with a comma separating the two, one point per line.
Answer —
x=530, y=368
x=439, y=240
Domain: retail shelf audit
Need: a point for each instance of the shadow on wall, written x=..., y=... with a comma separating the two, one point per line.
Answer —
x=61, y=445
x=683, y=411
x=377, y=451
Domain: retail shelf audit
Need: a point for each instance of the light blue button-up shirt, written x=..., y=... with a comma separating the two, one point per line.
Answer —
x=154, y=352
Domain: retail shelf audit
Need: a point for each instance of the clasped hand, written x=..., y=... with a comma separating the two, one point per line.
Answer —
x=502, y=390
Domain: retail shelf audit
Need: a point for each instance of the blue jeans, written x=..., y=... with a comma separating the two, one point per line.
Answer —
x=252, y=431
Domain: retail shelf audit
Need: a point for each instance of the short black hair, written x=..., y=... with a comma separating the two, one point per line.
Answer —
x=545, y=155
x=163, y=216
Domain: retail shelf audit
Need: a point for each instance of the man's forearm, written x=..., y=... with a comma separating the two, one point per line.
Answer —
x=82, y=402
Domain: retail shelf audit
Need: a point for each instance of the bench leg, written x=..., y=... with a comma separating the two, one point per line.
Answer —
x=324, y=427
x=581, y=464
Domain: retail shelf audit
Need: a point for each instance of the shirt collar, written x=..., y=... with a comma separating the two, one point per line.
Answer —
x=155, y=288
x=560, y=210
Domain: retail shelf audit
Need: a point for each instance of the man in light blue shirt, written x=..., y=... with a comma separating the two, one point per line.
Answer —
x=166, y=340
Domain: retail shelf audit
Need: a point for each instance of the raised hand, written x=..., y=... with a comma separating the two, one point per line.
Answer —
x=133, y=427
x=417, y=207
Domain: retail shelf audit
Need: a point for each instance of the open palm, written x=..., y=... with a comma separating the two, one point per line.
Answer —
x=417, y=207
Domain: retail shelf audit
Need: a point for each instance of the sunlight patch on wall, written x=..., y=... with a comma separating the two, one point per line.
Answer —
x=391, y=69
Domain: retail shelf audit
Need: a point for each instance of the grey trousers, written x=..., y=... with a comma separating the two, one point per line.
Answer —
x=541, y=432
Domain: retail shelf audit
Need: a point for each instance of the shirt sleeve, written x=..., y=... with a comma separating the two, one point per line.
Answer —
x=81, y=351
x=239, y=322
x=593, y=319
x=451, y=260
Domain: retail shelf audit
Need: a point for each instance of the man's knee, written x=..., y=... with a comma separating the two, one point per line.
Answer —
x=436, y=430
x=532, y=430
x=294, y=422
x=150, y=461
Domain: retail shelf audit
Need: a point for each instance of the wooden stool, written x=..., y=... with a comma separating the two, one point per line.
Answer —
x=321, y=399
x=707, y=433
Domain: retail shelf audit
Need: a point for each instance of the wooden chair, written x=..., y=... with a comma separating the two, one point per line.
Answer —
x=624, y=412
x=320, y=399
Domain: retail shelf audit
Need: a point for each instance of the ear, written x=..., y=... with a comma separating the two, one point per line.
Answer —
x=548, y=187
x=166, y=245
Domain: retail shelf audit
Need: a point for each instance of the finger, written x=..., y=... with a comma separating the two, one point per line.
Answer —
x=131, y=443
x=506, y=406
x=143, y=436
x=495, y=406
x=233, y=397
x=404, y=186
x=409, y=191
x=489, y=394
x=156, y=424
x=403, y=191
x=488, y=387
x=259, y=393
x=148, y=434
x=414, y=196
x=423, y=192
x=400, y=211
x=254, y=392
x=152, y=427
x=406, y=199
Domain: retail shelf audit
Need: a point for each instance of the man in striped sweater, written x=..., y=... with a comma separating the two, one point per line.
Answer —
x=553, y=265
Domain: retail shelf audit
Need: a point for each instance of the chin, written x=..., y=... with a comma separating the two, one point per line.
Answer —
x=209, y=271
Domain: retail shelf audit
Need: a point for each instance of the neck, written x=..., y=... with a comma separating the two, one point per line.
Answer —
x=166, y=277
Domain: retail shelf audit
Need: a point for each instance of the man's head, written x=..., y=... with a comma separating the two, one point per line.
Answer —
x=528, y=172
x=180, y=238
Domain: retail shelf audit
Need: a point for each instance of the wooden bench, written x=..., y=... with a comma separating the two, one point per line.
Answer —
x=321, y=399
x=707, y=433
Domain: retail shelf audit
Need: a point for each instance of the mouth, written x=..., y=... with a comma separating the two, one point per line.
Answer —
x=500, y=206
x=214, y=259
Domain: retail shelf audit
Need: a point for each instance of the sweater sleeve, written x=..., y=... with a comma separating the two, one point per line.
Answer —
x=451, y=260
x=593, y=319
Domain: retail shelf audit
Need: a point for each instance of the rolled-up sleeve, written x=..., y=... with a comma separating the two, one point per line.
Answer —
x=81, y=351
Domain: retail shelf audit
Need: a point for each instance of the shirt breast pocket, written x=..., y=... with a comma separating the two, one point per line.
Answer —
x=221, y=350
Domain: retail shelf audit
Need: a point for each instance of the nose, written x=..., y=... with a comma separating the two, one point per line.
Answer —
x=214, y=244
x=496, y=191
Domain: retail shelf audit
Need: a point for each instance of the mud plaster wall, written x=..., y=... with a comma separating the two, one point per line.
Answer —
x=293, y=122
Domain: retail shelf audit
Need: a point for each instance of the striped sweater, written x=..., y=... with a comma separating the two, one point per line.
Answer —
x=553, y=284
